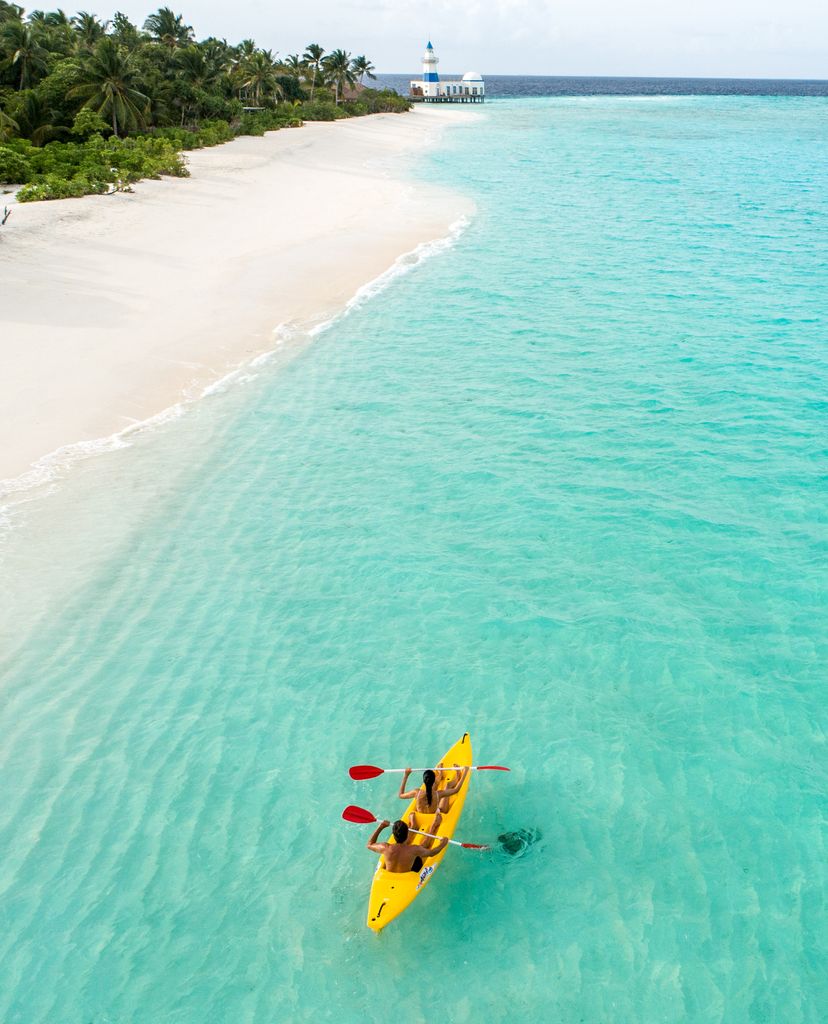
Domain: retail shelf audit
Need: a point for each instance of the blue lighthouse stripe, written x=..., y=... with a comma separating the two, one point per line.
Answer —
x=431, y=76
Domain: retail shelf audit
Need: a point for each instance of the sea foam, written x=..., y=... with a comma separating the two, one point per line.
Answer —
x=50, y=468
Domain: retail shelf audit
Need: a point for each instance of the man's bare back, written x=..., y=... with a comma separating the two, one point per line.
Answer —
x=402, y=856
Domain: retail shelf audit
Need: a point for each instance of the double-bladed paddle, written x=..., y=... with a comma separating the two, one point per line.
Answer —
x=359, y=816
x=370, y=771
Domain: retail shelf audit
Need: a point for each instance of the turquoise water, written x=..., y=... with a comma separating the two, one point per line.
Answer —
x=563, y=486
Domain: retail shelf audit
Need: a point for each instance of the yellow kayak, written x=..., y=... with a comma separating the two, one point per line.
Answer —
x=391, y=891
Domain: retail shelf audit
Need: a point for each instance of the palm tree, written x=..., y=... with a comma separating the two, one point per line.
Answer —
x=260, y=72
x=88, y=29
x=57, y=19
x=293, y=65
x=313, y=58
x=8, y=126
x=191, y=66
x=338, y=70
x=198, y=69
x=217, y=56
x=361, y=67
x=28, y=58
x=191, y=72
x=109, y=87
x=239, y=56
x=168, y=28
x=54, y=31
x=245, y=49
x=124, y=31
x=10, y=12
x=36, y=119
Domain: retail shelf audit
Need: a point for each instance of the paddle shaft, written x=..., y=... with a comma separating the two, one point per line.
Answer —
x=417, y=832
x=360, y=816
x=360, y=772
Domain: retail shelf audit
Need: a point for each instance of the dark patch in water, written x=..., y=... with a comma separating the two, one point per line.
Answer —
x=516, y=844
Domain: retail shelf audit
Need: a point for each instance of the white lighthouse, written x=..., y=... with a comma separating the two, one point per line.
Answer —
x=469, y=89
x=431, y=80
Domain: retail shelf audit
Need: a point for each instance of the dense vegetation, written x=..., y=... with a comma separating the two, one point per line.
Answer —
x=87, y=106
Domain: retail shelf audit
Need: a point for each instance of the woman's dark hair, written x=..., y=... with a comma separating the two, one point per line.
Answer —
x=428, y=782
x=400, y=831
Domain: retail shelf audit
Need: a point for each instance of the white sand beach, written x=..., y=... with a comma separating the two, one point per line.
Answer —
x=113, y=308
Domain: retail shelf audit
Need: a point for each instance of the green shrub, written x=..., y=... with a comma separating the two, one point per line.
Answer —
x=320, y=110
x=15, y=169
x=377, y=101
x=213, y=133
x=144, y=157
x=253, y=124
x=208, y=133
x=54, y=187
x=63, y=169
x=380, y=101
x=59, y=159
x=261, y=121
x=88, y=122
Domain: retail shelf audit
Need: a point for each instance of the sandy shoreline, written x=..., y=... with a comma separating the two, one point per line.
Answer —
x=114, y=308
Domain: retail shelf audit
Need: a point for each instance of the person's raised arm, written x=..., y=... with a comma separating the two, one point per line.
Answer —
x=455, y=788
x=434, y=850
x=372, y=843
x=405, y=794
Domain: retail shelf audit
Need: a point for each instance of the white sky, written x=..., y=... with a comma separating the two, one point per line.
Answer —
x=718, y=38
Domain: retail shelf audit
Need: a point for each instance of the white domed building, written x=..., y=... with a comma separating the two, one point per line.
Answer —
x=429, y=89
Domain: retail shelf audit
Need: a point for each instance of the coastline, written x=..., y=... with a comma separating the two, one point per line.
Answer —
x=117, y=309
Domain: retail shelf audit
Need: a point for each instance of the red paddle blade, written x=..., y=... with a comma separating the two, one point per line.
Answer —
x=365, y=771
x=474, y=846
x=492, y=768
x=358, y=815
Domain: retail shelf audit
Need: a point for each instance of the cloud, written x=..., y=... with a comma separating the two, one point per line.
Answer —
x=638, y=37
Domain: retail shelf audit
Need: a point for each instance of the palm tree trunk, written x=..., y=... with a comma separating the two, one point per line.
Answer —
x=313, y=82
x=114, y=122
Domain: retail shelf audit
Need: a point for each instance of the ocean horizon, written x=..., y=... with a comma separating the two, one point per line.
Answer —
x=560, y=483
x=514, y=86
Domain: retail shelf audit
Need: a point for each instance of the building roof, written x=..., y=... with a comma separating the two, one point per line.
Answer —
x=472, y=76
x=429, y=47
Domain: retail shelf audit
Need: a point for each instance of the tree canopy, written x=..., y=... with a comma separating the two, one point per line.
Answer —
x=181, y=78
x=71, y=84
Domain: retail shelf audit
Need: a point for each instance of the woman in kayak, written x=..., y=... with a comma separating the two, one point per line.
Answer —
x=401, y=855
x=428, y=798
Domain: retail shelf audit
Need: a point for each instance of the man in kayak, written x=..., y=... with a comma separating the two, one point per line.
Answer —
x=429, y=799
x=401, y=856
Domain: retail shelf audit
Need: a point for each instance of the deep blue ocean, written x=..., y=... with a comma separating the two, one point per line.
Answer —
x=563, y=485
x=514, y=86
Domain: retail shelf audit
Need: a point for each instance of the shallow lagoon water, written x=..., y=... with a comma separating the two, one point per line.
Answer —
x=563, y=486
